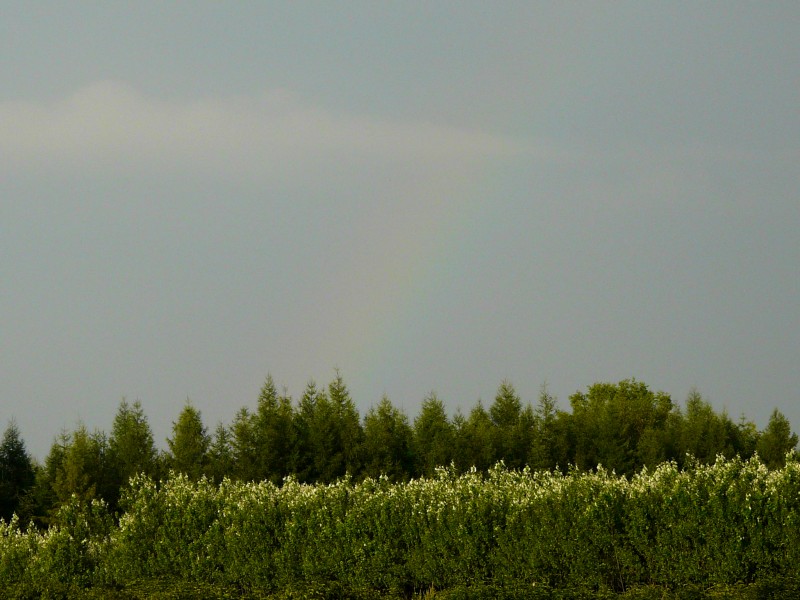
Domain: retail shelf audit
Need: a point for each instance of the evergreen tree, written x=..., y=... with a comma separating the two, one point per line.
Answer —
x=273, y=434
x=244, y=447
x=189, y=444
x=304, y=464
x=511, y=427
x=131, y=447
x=387, y=443
x=434, y=437
x=776, y=441
x=17, y=474
x=475, y=441
x=351, y=432
x=334, y=433
x=43, y=500
x=548, y=448
x=702, y=431
x=83, y=466
x=744, y=436
x=220, y=455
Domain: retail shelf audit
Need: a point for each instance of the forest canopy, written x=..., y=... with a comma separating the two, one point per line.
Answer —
x=320, y=437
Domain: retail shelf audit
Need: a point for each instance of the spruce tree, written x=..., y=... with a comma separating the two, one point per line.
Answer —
x=131, y=447
x=511, y=432
x=220, y=455
x=83, y=470
x=17, y=473
x=273, y=434
x=387, y=442
x=189, y=444
x=434, y=437
x=776, y=441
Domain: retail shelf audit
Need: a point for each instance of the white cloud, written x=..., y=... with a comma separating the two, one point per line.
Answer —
x=111, y=124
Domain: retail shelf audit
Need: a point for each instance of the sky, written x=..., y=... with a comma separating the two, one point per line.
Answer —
x=426, y=196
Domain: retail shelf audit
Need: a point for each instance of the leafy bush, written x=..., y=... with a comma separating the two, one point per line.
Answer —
x=669, y=533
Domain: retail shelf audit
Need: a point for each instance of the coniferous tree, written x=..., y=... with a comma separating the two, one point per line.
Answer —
x=131, y=447
x=83, y=468
x=220, y=455
x=273, y=434
x=744, y=436
x=434, y=437
x=244, y=448
x=548, y=449
x=304, y=463
x=189, y=444
x=387, y=443
x=475, y=441
x=702, y=431
x=42, y=499
x=336, y=433
x=511, y=427
x=776, y=441
x=17, y=474
x=527, y=430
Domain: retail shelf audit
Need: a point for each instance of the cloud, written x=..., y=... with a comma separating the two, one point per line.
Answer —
x=111, y=124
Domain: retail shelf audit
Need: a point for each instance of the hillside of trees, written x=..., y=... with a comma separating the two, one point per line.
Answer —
x=321, y=437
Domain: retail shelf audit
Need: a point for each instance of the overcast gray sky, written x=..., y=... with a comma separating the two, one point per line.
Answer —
x=426, y=195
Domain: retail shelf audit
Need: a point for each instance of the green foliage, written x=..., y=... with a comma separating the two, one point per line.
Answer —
x=702, y=433
x=512, y=427
x=220, y=454
x=131, y=450
x=619, y=425
x=776, y=441
x=387, y=443
x=474, y=440
x=244, y=451
x=433, y=437
x=82, y=470
x=302, y=501
x=273, y=434
x=17, y=474
x=189, y=444
x=669, y=533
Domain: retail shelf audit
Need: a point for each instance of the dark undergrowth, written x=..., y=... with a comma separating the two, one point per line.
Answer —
x=163, y=590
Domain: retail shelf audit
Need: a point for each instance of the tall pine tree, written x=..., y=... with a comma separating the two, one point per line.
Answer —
x=189, y=444
x=17, y=474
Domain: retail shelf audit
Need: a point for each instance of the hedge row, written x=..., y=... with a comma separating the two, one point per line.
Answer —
x=706, y=527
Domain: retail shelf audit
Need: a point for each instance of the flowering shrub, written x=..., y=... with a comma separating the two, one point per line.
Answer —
x=721, y=524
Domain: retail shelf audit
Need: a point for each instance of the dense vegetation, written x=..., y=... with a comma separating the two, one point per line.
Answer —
x=321, y=437
x=626, y=490
x=507, y=533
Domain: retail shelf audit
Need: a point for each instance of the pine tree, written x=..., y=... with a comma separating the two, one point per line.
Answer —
x=776, y=441
x=189, y=444
x=304, y=464
x=547, y=446
x=702, y=432
x=387, y=442
x=83, y=466
x=244, y=447
x=475, y=441
x=511, y=435
x=273, y=434
x=347, y=423
x=17, y=474
x=131, y=446
x=220, y=455
x=434, y=437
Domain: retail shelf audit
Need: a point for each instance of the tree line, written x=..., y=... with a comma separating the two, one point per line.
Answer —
x=321, y=437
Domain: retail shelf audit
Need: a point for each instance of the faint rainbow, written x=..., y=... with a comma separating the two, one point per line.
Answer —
x=445, y=225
